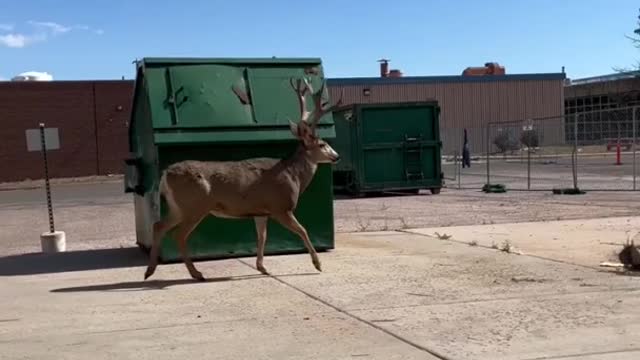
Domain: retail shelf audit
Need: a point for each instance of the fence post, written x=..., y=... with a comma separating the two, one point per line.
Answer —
x=575, y=152
x=633, y=125
x=458, y=169
x=487, y=143
x=528, y=168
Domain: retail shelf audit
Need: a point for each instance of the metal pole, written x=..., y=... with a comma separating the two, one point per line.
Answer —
x=487, y=149
x=633, y=125
x=457, y=170
x=46, y=178
x=575, y=152
x=528, y=168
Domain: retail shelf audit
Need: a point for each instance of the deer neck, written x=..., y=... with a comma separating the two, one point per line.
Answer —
x=301, y=167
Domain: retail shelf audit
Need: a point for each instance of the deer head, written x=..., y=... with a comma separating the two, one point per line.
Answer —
x=317, y=149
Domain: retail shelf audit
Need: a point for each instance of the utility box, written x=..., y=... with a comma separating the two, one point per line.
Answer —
x=388, y=147
x=222, y=109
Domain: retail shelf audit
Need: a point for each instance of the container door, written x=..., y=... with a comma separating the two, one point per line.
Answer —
x=413, y=162
x=400, y=144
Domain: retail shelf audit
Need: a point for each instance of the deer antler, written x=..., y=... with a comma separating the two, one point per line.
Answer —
x=319, y=111
x=301, y=91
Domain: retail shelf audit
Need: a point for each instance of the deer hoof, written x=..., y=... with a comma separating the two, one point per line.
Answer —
x=317, y=265
x=198, y=276
x=148, y=273
x=262, y=269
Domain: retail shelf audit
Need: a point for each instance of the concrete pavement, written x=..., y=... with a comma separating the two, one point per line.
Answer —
x=383, y=295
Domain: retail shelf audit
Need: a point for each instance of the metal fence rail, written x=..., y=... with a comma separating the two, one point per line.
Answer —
x=593, y=150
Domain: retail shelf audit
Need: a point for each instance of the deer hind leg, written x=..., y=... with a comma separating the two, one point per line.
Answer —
x=289, y=221
x=261, y=232
x=182, y=235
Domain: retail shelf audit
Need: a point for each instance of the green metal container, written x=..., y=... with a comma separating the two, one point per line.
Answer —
x=222, y=109
x=388, y=147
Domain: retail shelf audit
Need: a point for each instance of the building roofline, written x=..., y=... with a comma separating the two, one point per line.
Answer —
x=443, y=79
x=61, y=82
x=605, y=78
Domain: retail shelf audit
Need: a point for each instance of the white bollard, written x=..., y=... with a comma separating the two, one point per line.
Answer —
x=53, y=242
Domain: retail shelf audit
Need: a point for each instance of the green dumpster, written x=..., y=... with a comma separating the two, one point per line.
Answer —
x=222, y=109
x=388, y=147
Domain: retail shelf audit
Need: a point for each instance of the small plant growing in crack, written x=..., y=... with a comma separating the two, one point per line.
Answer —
x=473, y=243
x=506, y=246
x=362, y=227
x=443, y=236
x=385, y=227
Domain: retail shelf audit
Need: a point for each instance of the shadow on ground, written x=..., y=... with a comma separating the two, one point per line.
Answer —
x=163, y=284
x=40, y=263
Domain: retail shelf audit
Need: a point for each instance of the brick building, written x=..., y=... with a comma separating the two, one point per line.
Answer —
x=91, y=118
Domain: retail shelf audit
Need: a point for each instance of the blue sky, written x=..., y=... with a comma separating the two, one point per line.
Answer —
x=99, y=39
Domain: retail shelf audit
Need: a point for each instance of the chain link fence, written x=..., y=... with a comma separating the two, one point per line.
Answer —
x=593, y=150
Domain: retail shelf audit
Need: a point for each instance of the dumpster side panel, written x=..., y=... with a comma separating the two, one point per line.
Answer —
x=142, y=146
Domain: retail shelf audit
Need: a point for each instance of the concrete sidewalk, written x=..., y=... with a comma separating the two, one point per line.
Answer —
x=385, y=295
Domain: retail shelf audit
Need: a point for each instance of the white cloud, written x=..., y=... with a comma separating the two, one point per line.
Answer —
x=43, y=30
x=20, y=40
x=87, y=28
x=49, y=26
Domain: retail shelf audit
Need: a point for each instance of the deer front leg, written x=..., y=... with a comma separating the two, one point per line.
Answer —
x=261, y=232
x=182, y=235
x=160, y=228
x=289, y=221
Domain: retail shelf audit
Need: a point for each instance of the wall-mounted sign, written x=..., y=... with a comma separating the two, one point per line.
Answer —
x=34, y=142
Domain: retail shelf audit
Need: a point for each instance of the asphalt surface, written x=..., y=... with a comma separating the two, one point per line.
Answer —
x=68, y=195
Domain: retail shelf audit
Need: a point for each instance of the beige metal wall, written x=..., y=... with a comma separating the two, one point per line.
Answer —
x=467, y=104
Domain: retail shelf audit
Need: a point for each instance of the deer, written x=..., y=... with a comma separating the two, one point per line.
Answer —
x=261, y=188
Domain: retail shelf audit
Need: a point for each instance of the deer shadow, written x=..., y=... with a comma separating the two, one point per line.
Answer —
x=81, y=260
x=145, y=285
x=100, y=259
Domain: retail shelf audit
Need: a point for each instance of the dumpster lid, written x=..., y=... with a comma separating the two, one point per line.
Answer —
x=209, y=95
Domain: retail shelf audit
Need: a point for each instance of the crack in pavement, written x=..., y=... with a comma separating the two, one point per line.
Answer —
x=573, y=356
x=353, y=316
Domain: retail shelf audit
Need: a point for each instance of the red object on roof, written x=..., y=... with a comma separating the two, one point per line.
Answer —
x=490, y=68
